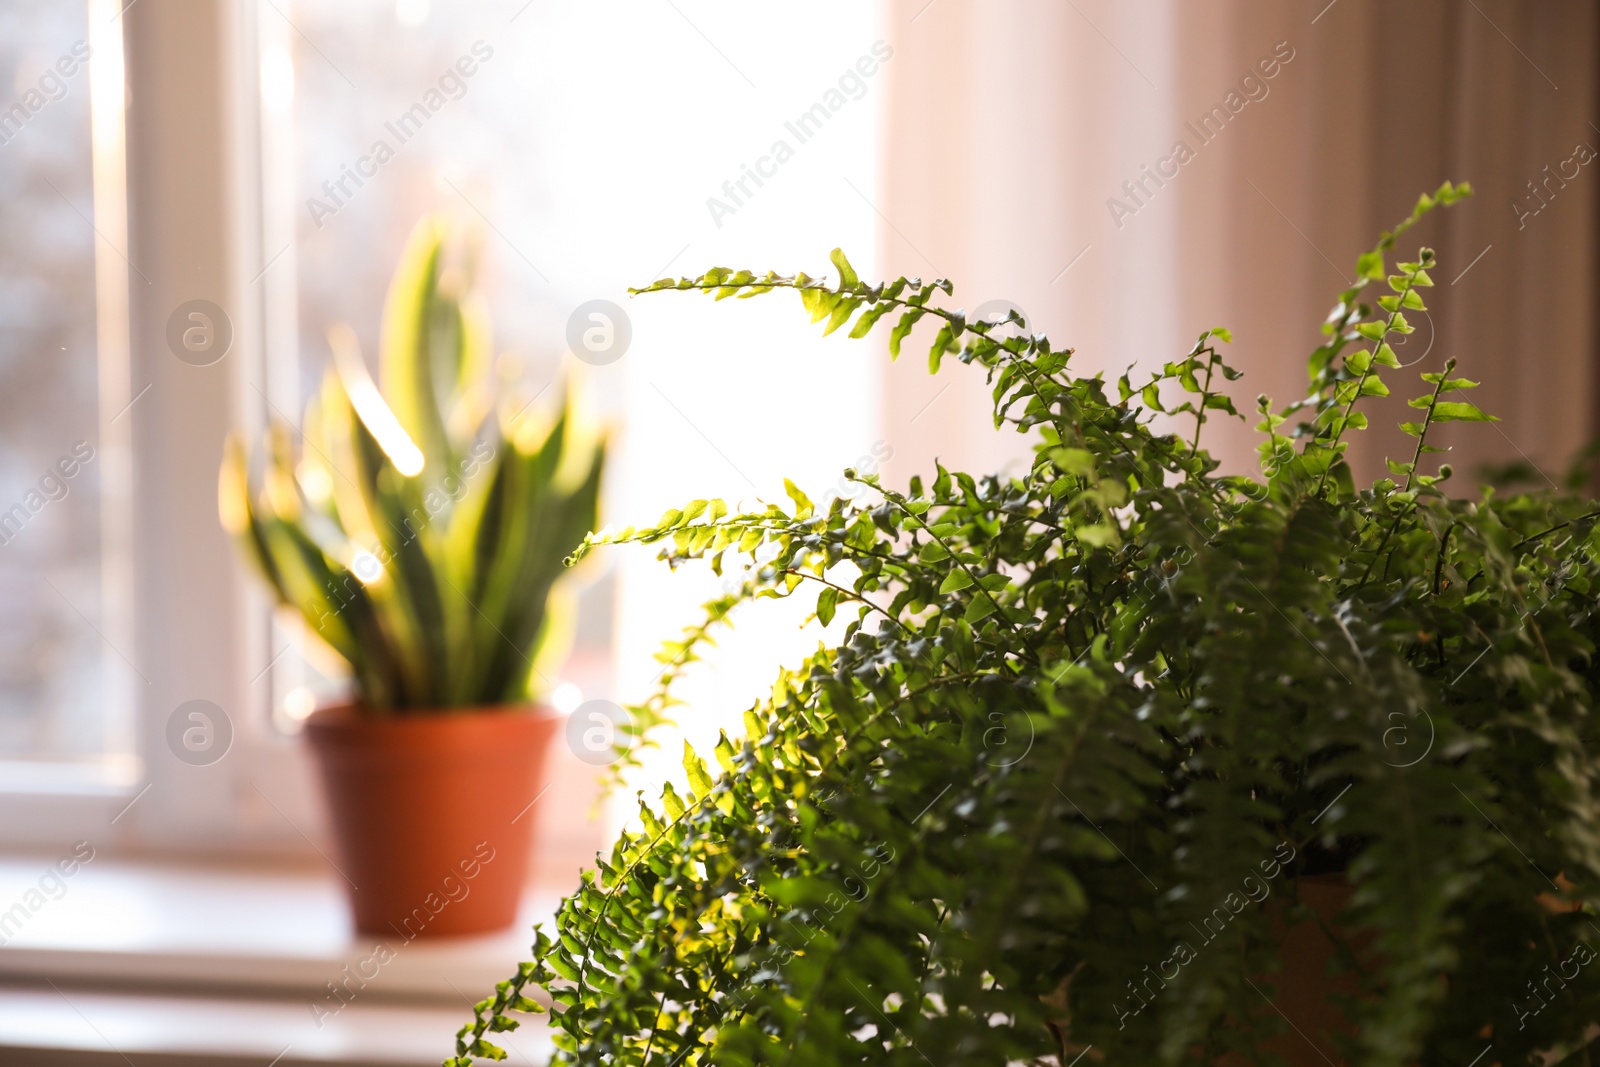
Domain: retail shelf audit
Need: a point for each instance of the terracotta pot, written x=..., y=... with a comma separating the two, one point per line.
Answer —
x=430, y=812
x=1304, y=990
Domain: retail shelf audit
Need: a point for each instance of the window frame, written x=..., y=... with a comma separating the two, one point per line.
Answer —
x=43, y=800
x=175, y=115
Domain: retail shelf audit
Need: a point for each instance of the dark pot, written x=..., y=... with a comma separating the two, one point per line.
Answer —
x=1304, y=990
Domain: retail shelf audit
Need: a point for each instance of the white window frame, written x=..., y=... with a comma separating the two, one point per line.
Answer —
x=202, y=226
x=178, y=213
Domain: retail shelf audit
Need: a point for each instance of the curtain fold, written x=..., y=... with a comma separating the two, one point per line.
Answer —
x=1131, y=174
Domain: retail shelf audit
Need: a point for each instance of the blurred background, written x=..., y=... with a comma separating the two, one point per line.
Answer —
x=1125, y=174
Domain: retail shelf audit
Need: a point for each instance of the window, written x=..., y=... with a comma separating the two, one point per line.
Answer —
x=594, y=148
x=63, y=283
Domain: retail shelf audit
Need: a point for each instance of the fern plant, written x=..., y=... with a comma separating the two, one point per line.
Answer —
x=1093, y=736
x=420, y=530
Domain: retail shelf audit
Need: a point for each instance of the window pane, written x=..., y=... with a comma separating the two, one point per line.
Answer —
x=52, y=657
x=597, y=147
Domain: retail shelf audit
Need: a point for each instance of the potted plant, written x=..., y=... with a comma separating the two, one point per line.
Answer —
x=1125, y=761
x=419, y=530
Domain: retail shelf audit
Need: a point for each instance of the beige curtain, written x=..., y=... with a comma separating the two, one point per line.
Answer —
x=1014, y=125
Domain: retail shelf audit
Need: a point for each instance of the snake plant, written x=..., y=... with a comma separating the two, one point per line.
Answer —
x=420, y=528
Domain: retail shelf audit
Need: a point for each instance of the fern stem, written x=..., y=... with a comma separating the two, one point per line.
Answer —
x=1550, y=530
x=1427, y=421
x=900, y=502
x=852, y=594
x=1438, y=564
x=1344, y=422
x=1205, y=393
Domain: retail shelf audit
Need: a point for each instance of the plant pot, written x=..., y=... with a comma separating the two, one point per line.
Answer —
x=1304, y=989
x=430, y=812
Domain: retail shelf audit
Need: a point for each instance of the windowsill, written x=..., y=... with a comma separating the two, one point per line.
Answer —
x=174, y=962
x=107, y=776
x=72, y=1028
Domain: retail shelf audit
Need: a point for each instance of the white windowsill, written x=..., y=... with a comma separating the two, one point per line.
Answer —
x=173, y=962
x=77, y=1029
x=107, y=776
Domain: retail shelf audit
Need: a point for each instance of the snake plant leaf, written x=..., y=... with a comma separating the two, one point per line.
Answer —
x=528, y=623
x=332, y=407
x=301, y=573
x=517, y=554
x=420, y=343
x=238, y=516
x=320, y=588
x=408, y=602
x=473, y=397
x=474, y=517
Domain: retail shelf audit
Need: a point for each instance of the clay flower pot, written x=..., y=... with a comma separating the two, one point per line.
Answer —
x=1304, y=991
x=430, y=812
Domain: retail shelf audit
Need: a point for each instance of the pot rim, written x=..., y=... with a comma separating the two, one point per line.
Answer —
x=341, y=733
x=354, y=712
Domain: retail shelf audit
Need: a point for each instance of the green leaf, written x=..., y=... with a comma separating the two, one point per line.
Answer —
x=902, y=329
x=978, y=609
x=827, y=601
x=671, y=803
x=869, y=318
x=422, y=329
x=955, y=581
x=1076, y=461
x=841, y=314
x=1450, y=384
x=847, y=273
x=943, y=341
x=559, y=965
x=1098, y=535
x=699, y=779
x=1450, y=411
x=725, y=754
x=802, y=503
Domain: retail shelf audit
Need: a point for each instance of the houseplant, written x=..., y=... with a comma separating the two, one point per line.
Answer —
x=1107, y=750
x=420, y=532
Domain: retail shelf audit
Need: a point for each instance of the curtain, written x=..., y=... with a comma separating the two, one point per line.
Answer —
x=1033, y=156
